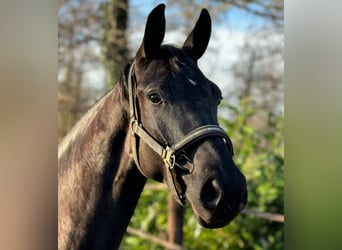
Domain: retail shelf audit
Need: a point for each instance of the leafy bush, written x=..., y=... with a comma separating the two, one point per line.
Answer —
x=259, y=153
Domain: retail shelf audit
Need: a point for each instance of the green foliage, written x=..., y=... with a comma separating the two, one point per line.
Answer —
x=260, y=156
x=259, y=153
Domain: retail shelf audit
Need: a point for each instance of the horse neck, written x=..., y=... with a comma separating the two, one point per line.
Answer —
x=98, y=183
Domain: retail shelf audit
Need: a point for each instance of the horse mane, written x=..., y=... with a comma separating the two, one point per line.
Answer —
x=84, y=122
x=81, y=125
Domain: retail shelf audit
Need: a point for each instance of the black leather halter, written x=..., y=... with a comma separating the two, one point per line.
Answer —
x=168, y=153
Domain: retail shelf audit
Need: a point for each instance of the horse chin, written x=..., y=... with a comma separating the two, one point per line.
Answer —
x=214, y=222
x=211, y=219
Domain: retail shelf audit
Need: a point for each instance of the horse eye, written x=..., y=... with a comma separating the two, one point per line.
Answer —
x=155, y=98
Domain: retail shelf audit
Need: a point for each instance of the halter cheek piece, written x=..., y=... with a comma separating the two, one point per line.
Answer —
x=169, y=154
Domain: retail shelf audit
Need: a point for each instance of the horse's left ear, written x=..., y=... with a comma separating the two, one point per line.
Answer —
x=198, y=39
x=154, y=33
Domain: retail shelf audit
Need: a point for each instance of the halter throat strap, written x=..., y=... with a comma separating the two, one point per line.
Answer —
x=167, y=153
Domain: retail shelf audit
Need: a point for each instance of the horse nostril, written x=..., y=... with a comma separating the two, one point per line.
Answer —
x=211, y=194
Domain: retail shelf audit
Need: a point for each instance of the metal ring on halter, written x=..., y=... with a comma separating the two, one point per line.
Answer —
x=170, y=158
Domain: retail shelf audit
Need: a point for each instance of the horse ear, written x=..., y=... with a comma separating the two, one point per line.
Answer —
x=198, y=39
x=154, y=33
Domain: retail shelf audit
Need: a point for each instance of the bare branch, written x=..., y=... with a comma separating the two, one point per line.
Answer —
x=272, y=10
x=153, y=239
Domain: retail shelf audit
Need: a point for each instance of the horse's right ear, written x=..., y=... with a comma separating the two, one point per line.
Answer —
x=198, y=39
x=154, y=33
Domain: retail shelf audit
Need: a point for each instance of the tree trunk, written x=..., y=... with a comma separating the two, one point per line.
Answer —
x=114, y=39
x=175, y=221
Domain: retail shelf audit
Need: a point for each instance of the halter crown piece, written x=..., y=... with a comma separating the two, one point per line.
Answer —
x=168, y=153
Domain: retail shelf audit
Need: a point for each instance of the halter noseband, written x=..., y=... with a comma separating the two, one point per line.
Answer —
x=168, y=153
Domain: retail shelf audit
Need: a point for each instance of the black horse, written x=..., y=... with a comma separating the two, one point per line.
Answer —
x=159, y=122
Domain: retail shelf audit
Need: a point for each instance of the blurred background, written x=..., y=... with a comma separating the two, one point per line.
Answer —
x=244, y=58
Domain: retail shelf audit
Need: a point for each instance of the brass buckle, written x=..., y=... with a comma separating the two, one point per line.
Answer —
x=170, y=158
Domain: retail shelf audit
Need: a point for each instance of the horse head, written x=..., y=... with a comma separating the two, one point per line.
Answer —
x=174, y=106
